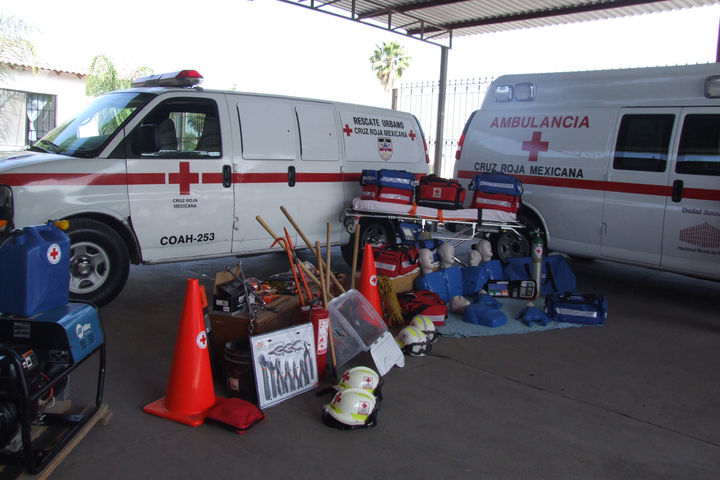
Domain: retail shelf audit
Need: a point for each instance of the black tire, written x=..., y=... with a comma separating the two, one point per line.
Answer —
x=99, y=262
x=510, y=244
x=372, y=231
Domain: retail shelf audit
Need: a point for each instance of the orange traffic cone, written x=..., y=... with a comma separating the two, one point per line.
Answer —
x=369, y=281
x=190, y=392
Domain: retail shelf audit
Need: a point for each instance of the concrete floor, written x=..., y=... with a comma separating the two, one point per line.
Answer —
x=637, y=398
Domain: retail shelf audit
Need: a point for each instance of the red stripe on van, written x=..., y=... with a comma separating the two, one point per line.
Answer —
x=22, y=179
x=602, y=185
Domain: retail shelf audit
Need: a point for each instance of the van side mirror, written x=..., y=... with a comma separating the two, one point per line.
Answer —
x=148, y=139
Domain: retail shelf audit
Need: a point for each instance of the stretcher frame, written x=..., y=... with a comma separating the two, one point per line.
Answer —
x=438, y=226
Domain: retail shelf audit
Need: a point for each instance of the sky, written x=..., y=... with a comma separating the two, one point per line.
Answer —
x=271, y=47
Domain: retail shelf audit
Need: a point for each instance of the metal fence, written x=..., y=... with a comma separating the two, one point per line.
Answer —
x=462, y=98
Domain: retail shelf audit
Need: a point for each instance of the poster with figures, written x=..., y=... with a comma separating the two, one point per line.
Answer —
x=284, y=362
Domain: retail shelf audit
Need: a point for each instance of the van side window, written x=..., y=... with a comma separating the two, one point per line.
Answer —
x=699, y=150
x=267, y=130
x=643, y=142
x=178, y=128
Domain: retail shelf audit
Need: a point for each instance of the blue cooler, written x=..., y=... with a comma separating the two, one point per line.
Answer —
x=34, y=271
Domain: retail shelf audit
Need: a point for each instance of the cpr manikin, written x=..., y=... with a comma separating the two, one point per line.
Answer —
x=479, y=253
x=447, y=255
x=425, y=259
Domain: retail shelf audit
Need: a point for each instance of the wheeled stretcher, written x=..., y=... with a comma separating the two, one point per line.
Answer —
x=457, y=226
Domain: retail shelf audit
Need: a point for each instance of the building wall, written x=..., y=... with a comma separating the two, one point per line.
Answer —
x=68, y=89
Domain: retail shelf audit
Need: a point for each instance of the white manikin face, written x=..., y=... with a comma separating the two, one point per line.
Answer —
x=446, y=252
x=425, y=258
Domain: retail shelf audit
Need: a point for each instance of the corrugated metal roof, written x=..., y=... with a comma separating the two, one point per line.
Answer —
x=438, y=21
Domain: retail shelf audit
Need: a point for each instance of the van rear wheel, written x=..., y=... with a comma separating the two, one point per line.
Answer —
x=99, y=262
x=372, y=231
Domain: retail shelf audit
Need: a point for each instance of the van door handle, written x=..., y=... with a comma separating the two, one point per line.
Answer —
x=227, y=176
x=677, y=191
x=291, y=176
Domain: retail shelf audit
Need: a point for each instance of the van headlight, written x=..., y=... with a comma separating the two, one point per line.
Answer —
x=6, y=208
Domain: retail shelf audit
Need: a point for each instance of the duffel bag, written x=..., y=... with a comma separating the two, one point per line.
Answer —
x=437, y=192
x=556, y=275
x=395, y=261
x=572, y=307
x=388, y=178
x=387, y=194
x=495, y=201
x=497, y=183
x=422, y=302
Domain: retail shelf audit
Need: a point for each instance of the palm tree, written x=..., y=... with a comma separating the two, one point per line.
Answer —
x=103, y=77
x=389, y=61
x=14, y=45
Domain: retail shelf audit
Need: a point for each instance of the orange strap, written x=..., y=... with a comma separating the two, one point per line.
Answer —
x=413, y=209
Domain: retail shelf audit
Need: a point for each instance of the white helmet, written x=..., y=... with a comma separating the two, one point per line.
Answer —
x=351, y=408
x=412, y=341
x=425, y=325
x=363, y=378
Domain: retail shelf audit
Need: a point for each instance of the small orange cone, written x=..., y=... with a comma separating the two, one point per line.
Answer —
x=190, y=392
x=369, y=281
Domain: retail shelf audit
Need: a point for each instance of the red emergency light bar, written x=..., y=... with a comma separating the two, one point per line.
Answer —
x=182, y=78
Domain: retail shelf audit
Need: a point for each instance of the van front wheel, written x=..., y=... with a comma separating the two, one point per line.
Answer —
x=99, y=262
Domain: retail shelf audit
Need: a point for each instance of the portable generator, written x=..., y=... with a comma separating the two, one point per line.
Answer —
x=37, y=355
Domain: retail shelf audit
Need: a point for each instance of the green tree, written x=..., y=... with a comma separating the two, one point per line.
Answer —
x=103, y=77
x=389, y=61
x=14, y=44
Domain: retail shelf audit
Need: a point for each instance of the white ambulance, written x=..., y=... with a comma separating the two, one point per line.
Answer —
x=166, y=171
x=621, y=164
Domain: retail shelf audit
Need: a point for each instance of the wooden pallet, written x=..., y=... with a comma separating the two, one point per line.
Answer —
x=102, y=417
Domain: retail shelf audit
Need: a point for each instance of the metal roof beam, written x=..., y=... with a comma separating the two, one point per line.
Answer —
x=408, y=7
x=535, y=14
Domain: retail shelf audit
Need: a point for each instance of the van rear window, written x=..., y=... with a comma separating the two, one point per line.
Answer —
x=699, y=150
x=643, y=142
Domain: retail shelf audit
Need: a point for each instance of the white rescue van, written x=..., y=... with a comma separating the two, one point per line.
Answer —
x=621, y=164
x=167, y=171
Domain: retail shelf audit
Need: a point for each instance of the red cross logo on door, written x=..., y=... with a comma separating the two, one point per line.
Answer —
x=347, y=130
x=185, y=178
x=534, y=146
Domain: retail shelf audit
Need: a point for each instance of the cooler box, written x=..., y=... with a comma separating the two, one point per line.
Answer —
x=34, y=271
x=357, y=327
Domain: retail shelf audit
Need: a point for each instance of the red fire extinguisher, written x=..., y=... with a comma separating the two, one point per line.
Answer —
x=320, y=319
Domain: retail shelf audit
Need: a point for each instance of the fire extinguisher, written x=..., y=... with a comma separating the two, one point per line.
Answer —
x=537, y=255
x=320, y=319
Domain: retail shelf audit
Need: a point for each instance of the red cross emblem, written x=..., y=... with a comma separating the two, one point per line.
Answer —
x=346, y=376
x=413, y=135
x=185, y=178
x=347, y=130
x=201, y=339
x=53, y=253
x=534, y=146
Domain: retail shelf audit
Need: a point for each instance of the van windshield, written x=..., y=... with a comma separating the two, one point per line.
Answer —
x=87, y=133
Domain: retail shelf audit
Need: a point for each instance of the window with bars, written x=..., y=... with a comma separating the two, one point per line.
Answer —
x=25, y=117
x=40, y=111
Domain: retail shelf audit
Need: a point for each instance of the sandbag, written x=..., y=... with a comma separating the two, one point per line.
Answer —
x=556, y=276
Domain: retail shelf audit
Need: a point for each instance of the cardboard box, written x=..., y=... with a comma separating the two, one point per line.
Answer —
x=234, y=327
